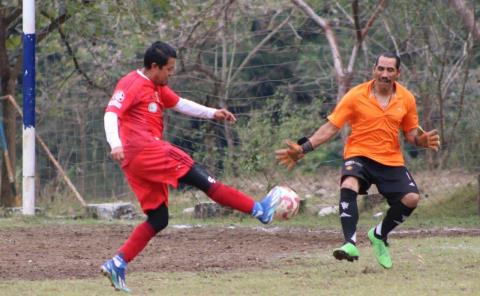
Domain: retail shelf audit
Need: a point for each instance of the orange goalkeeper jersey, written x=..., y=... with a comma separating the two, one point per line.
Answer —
x=375, y=133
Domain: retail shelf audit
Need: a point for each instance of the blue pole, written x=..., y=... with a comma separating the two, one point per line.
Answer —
x=29, y=80
x=28, y=188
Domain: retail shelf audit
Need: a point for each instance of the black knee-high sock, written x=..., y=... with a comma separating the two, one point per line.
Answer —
x=396, y=215
x=348, y=211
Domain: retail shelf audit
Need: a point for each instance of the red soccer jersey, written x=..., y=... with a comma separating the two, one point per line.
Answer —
x=139, y=105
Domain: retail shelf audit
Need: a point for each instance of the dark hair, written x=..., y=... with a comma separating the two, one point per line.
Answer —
x=158, y=53
x=390, y=55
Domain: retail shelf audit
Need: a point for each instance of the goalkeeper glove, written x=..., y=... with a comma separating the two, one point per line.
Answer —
x=430, y=139
x=295, y=151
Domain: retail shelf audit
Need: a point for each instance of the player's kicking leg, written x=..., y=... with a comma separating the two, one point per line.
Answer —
x=231, y=197
x=265, y=209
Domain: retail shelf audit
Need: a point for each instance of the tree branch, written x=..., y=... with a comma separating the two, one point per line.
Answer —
x=460, y=107
x=361, y=35
x=467, y=16
x=325, y=25
x=55, y=24
x=373, y=17
x=77, y=65
x=74, y=57
x=15, y=13
x=259, y=45
x=200, y=19
x=358, y=31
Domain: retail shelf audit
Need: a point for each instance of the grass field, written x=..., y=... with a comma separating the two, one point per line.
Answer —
x=424, y=264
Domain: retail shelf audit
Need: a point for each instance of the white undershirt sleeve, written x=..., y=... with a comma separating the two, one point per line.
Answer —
x=191, y=108
x=111, y=129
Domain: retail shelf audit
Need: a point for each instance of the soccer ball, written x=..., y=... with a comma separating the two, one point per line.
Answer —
x=289, y=203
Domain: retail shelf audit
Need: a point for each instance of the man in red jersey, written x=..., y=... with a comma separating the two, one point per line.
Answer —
x=134, y=130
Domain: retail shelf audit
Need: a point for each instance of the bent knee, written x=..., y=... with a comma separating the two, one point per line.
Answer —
x=351, y=183
x=411, y=200
x=158, y=218
x=158, y=224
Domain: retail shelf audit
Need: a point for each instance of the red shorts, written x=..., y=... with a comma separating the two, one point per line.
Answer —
x=154, y=168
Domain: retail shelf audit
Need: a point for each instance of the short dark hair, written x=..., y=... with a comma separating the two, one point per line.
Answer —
x=390, y=55
x=158, y=53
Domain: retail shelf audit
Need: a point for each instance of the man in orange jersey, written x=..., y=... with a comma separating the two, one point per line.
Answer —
x=376, y=111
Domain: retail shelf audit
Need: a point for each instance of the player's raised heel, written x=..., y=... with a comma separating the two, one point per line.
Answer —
x=114, y=270
x=347, y=252
x=269, y=204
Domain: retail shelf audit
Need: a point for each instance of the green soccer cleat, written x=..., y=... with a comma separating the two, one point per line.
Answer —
x=348, y=251
x=380, y=250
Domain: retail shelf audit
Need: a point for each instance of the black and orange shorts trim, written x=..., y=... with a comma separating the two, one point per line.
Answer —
x=393, y=182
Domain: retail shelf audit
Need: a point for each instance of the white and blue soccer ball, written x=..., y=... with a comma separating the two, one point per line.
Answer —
x=289, y=203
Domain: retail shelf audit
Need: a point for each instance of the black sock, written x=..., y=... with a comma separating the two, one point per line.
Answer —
x=396, y=215
x=348, y=211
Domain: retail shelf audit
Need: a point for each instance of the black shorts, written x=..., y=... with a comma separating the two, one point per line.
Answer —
x=393, y=182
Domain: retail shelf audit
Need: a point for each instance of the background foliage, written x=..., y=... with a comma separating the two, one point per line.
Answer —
x=264, y=60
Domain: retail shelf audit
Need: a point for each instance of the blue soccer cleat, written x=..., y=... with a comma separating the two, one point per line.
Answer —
x=265, y=209
x=114, y=270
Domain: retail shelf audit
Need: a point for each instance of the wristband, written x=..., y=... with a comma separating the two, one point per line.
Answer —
x=420, y=132
x=306, y=145
x=302, y=140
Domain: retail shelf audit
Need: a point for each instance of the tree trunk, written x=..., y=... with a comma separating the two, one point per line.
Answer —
x=7, y=199
x=8, y=79
x=343, y=76
x=9, y=73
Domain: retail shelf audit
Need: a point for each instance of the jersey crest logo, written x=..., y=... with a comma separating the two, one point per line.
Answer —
x=118, y=96
x=152, y=107
x=117, y=99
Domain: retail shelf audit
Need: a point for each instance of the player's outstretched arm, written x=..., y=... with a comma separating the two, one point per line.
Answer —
x=295, y=151
x=323, y=134
x=193, y=109
x=289, y=156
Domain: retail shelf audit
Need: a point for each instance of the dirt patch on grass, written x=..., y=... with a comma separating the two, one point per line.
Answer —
x=77, y=251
